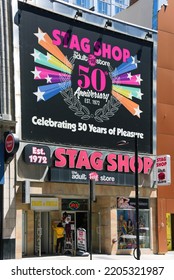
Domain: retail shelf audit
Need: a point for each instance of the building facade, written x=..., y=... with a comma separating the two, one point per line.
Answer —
x=79, y=90
x=164, y=125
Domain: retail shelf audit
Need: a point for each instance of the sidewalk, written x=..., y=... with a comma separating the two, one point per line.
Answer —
x=167, y=256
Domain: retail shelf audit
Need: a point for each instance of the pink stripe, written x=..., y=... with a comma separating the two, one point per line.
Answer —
x=46, y=72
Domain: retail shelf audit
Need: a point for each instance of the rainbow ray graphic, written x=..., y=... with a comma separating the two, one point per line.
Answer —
x=57, y=73
x=126, y=86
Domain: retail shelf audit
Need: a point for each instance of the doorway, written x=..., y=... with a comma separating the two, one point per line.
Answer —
x=82, y=231
x=81, y=220
x=78, y=220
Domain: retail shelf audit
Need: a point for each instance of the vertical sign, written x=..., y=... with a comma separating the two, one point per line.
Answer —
x=163, y=167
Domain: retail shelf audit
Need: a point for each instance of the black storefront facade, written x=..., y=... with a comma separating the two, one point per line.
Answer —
x=84, y=88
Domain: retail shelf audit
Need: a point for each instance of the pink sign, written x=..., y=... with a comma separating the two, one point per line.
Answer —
x=93, y=176
x=98, y=161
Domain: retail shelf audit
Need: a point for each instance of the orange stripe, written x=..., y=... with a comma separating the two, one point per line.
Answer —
x=128, y=104
x=47, y=44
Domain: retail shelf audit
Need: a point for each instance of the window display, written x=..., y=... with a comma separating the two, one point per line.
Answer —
x=126, y=223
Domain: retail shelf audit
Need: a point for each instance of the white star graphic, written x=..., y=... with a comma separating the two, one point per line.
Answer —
x=48, y=78
x=36, y=73
x=138, y=79
x=40, y=35
x=136, y=59
x=48, y=56
x=129, y=76
x=137, y=111
x=36, y=55
x=139, y=94
x=133, y=60
x=39, y=95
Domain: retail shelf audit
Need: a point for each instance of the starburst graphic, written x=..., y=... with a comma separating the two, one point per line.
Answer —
x=55, y=68
x=125, y=86
x=57, y=73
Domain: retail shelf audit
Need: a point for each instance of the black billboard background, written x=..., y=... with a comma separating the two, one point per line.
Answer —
x=57, y=109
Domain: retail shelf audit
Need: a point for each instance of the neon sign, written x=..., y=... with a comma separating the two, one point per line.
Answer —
x=74, y=205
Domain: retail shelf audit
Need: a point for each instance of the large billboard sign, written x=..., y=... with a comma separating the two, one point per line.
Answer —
x=83, y=85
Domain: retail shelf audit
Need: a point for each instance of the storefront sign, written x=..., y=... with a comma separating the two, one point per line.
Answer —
x=82, y=176
x=71, y=165
x=44, y=203
x=163, y=167
x=82, y=84
x=36, y=154
x=98, y=161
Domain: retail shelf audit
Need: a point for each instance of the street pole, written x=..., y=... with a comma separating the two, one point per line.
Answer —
x=137, y=199
x=92, y=183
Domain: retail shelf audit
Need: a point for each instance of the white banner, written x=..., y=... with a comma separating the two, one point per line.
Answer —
x=86, y=269
x=81, y=239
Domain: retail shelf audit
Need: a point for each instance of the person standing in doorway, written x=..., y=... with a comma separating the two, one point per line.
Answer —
x=60, y=237
x=68, y=229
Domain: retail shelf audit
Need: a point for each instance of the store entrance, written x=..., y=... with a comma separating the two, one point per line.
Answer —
x=73, y=222
x=77, y=210
x=81, y=220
